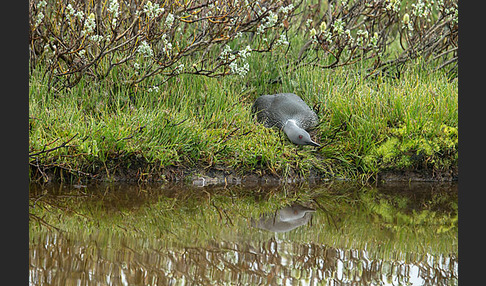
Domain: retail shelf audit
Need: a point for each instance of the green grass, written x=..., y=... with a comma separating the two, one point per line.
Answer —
x=367, y=125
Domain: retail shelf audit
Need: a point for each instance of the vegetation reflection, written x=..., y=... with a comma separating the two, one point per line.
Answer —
x=344, y=216
x=149, y=235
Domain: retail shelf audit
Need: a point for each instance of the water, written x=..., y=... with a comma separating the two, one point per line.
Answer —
x=328, y=234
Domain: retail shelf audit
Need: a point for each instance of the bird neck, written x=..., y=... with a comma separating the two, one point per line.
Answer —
x=290, y=122
x=290, y=125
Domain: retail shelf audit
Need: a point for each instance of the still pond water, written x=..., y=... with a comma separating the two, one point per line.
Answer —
x=326, y=234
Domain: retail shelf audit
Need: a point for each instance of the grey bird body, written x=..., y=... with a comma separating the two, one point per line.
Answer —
x=287, y=111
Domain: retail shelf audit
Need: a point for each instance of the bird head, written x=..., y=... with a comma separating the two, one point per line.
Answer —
x=298, y=135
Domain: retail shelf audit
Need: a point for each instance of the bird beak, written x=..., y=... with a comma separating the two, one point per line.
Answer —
x=313, y=144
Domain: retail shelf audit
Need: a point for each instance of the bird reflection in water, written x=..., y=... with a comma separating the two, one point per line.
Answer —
x=285, y=219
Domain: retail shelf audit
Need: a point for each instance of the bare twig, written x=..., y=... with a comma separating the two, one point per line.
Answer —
x=63, y=145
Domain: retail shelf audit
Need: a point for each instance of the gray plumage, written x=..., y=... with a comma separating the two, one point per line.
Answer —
x=287, y=111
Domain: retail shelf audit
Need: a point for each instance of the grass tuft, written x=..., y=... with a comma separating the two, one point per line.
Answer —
x=367, y=124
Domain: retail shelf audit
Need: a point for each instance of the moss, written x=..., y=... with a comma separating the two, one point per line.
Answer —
x=431, y=148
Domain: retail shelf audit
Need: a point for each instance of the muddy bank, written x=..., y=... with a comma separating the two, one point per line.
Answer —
x=220, y=175
x=419, y=175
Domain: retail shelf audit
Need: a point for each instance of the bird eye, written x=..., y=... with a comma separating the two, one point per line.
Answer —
x=300, y=136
